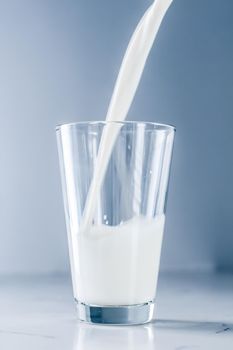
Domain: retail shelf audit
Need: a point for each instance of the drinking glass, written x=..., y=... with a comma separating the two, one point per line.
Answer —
x=115, y=178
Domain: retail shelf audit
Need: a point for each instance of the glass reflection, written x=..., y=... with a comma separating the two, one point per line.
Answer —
x=89, y=337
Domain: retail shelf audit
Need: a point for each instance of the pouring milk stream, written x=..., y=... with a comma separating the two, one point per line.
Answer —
x=125, y=88
x=99, y=276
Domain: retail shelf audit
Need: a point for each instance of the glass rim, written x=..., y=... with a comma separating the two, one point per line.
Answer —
x=162, y=126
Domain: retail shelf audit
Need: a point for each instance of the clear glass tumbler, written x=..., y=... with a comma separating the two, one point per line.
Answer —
x=115, y=180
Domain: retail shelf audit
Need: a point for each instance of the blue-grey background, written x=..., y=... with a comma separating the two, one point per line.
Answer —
x=58, y=63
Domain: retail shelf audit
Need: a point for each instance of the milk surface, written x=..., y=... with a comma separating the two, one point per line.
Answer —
x=118, y=265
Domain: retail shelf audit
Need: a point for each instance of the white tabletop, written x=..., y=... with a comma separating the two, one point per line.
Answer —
x=194, y=312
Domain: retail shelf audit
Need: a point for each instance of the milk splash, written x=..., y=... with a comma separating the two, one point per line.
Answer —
x=125, y=88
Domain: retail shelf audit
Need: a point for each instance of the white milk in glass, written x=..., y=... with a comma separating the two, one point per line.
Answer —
x=118, y=265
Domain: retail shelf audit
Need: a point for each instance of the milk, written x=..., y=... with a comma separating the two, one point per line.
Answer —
x=125, y=88
x=118, y=265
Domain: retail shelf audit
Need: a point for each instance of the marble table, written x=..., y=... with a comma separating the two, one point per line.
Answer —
x=194, y=311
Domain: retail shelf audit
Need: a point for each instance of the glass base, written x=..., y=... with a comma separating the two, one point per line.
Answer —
x=116, y=315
